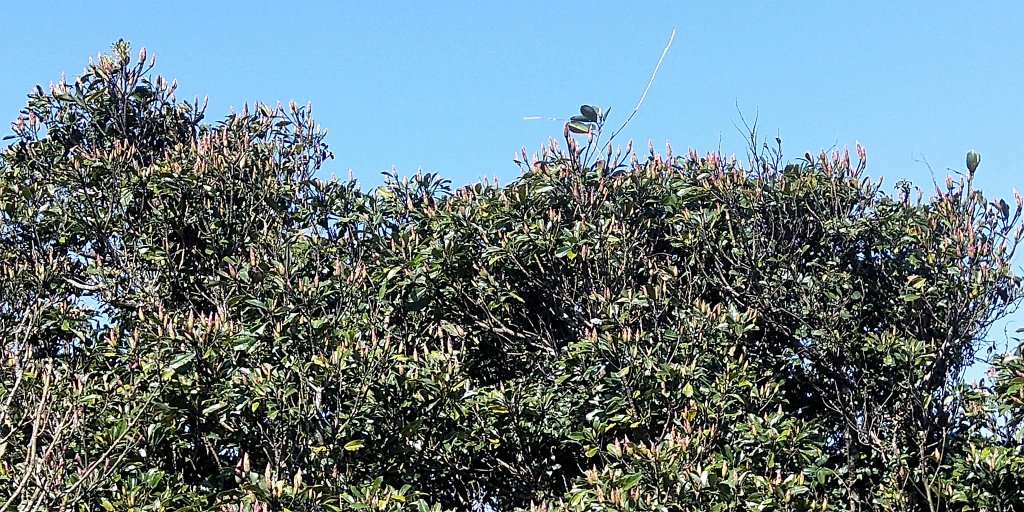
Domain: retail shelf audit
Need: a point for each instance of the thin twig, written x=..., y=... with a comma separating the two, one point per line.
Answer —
x=648, y=88
x=30, y=462
x=113, y=444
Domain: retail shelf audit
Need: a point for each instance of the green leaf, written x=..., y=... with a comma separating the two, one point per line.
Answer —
x=589, y=113
x=181, y=360
x=578, y=127
x=629, y=481
x=214, y=408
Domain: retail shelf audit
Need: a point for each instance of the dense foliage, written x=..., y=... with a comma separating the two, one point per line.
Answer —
x=191, y=321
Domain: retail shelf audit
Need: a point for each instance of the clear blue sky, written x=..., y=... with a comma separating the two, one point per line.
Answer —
x=445, y=85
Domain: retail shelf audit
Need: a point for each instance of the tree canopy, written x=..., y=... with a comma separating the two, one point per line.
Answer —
x=192, y=320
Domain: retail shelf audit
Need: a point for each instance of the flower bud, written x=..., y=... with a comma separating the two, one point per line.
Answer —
x=973, y=159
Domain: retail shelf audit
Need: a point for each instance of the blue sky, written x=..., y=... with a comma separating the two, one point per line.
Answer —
x=445, y=85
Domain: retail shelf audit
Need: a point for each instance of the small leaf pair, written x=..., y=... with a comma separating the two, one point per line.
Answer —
x=588, y=114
